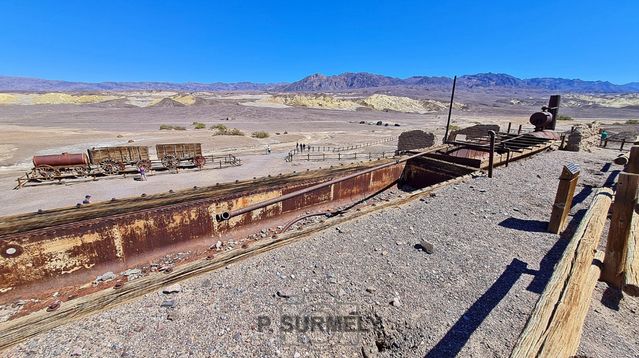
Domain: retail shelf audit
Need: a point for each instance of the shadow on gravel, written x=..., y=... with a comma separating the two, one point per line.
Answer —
x=611, y=298
x=460, y=332
x=610, y=182
x=606, y=167
x=525, y=225
x=585, y=192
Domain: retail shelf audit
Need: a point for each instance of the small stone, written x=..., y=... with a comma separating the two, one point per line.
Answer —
x=107, y=276
x=176, y=288
x=218, y=245
x=370, y=289
x=395, y=302
x=76, y=352
x=283, y=294
x=172, y=315
x=168, y=304
x=341, y=292
x=426, y=246
x=384, y=253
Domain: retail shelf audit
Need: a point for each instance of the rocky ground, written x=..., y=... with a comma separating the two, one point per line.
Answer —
x=470, y=297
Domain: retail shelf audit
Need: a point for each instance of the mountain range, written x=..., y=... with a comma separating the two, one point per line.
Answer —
x=336, y=83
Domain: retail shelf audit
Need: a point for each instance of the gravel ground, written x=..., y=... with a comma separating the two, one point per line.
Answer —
x=470, y=297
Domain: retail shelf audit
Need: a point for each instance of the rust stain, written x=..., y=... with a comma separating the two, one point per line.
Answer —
x=114, y=240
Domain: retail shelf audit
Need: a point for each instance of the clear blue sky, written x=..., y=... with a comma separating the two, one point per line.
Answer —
x=272, y=41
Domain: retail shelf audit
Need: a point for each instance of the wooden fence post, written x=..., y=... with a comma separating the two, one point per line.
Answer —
x=563, y=199
x=621, y=259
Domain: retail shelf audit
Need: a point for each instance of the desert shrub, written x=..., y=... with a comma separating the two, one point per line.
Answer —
x=235, y=131
x=260, y=134
x=165, y=127
x=179, y=128
x=219, y=127
x=564, y=118
x=199, y=125
x=227, y=131
x=454, y=127
x=632, y=121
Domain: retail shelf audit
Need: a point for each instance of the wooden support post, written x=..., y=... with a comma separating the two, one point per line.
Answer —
x=631, y=262
x=555, y=324
x=509, y=125
x=621, y=263
x=633, y=161
x=491, y=159
x=519, y=130
x=563, y=200
x=620, y=229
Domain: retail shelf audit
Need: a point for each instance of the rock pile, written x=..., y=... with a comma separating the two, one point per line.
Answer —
x=583, y=137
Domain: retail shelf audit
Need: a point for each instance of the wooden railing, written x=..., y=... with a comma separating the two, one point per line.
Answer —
x=556, y=323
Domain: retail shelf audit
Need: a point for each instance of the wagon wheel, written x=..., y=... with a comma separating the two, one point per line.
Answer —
x=47, y=172
x=199, y=161
x=109, y=166
x=170, y=162
x=144, y=163
x=80, y=171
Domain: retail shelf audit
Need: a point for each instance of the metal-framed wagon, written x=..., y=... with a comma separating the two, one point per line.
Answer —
x=59, y=166
x=115, y=160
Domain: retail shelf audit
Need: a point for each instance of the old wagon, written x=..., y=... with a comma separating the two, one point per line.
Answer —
x=174, y=155
x=113, y=160
x=58, y=166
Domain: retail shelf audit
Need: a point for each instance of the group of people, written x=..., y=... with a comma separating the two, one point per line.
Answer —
x=302, y=147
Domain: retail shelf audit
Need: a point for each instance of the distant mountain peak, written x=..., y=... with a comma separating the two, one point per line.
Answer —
x=319, y=82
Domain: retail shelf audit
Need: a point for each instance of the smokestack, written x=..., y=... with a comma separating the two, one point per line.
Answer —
x=553, y=108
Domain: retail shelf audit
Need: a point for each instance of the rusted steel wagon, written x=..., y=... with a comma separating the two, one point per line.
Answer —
x=113, y=160
x=58, y=166
x=174, y=155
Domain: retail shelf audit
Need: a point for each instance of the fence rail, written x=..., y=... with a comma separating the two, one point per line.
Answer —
x=320, y=157
x=318, y=149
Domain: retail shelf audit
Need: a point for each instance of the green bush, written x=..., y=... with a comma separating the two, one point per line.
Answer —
x=199, y=125
x=179, y=128
x=632, y=121
x=260, y=134
x=165, y=127
x=564, y=118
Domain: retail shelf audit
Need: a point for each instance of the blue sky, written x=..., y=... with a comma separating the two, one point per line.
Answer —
x=273, y=41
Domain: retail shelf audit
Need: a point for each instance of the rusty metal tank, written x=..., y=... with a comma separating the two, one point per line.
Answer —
x=541, y=119
x=61, y=160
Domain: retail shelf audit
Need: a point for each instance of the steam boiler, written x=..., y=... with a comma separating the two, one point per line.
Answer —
x=547, y=118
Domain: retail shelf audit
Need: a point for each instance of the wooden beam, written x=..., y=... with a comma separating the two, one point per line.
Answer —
x=563, y=199
x=631, y=263
x=620, y=229
x=555, y=324
x=633, y=160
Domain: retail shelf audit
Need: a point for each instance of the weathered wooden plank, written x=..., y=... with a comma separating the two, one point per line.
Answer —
x=554, y=327
x=563, y=199
x=619, y=233
x=631, y=263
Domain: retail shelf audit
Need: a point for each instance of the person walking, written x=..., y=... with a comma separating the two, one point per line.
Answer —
x=604, y=137
x=142, y=171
